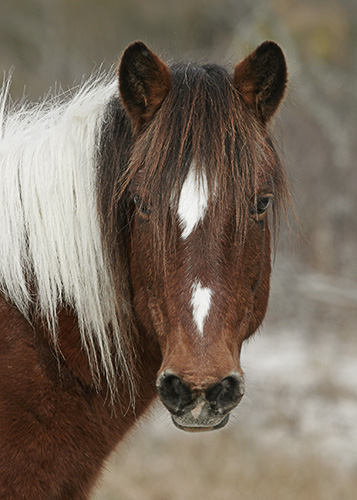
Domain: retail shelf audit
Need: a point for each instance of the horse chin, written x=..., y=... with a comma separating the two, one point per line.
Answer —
x=190, y=424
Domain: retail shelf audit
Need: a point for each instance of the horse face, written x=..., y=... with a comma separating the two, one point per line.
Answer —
x=204, y=290
x=200, y=301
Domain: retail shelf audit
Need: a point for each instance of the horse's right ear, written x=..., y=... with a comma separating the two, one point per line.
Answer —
x=144, y=82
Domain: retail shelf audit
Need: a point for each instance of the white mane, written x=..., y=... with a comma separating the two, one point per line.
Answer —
x=49, y=227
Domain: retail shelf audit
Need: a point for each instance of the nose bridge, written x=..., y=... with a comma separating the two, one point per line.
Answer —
x=206, y=281
x=198, y=282
x=199, y=341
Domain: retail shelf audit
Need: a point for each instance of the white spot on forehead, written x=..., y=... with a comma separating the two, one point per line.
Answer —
x=201, y=303
x=193, y=201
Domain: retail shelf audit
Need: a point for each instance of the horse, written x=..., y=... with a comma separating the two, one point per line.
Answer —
x=137, y=213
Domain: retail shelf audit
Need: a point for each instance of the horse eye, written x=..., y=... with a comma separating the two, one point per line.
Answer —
x=261, y=206
x=141, y=206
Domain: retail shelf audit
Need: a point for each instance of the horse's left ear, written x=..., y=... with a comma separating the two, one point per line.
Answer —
x=261, y=80
x=144, y=82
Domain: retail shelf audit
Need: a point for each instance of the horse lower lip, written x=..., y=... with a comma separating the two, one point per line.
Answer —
x=200, y=427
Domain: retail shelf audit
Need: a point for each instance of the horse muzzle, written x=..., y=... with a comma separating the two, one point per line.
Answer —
x=200, y=419
x=196, y=409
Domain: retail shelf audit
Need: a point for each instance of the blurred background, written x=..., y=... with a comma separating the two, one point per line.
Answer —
x=295, y=433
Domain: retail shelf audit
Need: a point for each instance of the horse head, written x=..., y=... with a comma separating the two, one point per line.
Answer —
x=203, y=176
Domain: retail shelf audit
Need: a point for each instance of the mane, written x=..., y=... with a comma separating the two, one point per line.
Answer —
x=51, y=253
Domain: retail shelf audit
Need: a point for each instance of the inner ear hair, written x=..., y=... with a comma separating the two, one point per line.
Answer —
x=261, y=80
x=144, y=82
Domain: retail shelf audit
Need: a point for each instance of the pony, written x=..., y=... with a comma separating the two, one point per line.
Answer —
x=135, y=257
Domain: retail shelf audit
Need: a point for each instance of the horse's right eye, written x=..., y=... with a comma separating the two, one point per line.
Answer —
x=142, y=207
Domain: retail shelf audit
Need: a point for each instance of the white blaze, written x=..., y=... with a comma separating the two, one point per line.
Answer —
x=193, y=201
x=201, y=303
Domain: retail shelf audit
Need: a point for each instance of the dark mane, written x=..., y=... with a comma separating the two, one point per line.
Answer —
x=113, y=158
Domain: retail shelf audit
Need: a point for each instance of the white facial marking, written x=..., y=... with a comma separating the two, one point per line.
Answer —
x=193, y=201
x=201, y=303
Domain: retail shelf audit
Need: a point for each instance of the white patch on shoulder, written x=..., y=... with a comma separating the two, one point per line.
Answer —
x=193, y=201
x=201, y=303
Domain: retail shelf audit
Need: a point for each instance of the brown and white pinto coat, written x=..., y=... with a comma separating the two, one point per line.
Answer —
x=185, y=173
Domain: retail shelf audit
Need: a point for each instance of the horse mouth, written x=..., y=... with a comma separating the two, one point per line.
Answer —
x=189, y=423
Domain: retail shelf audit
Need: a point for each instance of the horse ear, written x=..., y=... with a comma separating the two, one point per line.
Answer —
x=144, y=82
x=261, y=80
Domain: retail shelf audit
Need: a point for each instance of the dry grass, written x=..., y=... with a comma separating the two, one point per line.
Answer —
x=219, y=466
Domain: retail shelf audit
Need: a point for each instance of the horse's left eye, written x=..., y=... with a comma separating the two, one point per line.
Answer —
x=261, y=206
x=142, y=207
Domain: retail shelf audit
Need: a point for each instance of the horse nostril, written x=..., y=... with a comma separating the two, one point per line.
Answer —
x=226, y=394
x=173, y=392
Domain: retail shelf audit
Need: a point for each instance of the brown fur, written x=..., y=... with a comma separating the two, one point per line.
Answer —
x=56, y=427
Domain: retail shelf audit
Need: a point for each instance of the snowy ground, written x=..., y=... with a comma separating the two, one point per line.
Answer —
x=302, y=395
x=307, y=358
